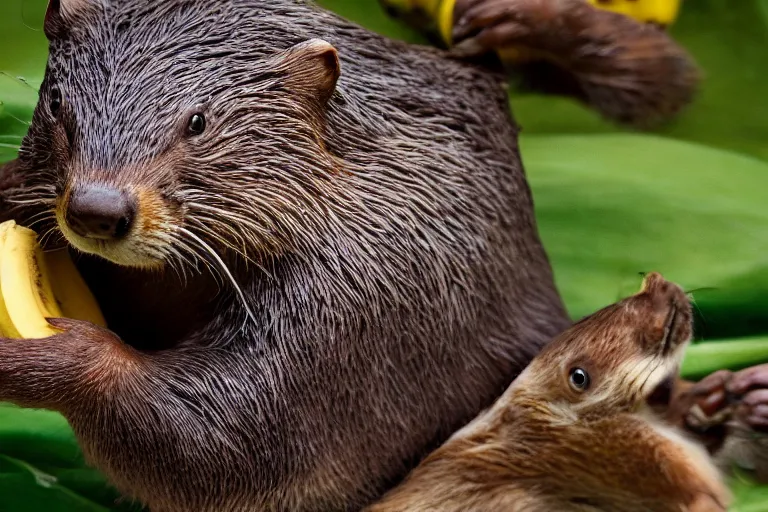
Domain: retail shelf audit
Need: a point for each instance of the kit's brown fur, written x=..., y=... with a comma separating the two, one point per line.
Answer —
x=546, y=445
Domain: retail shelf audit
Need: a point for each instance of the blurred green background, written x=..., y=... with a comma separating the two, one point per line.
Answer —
x=688, y=200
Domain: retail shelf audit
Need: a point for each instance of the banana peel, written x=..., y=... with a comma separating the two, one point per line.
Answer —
x=35, y=285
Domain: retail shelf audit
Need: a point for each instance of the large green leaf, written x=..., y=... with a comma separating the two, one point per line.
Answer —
x=41, y=467
x=613, y=205
x=610, y=204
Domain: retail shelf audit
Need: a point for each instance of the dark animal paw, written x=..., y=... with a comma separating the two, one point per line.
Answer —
x=750, y=386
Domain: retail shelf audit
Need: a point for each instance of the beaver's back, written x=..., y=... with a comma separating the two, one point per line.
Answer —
x=434, y=261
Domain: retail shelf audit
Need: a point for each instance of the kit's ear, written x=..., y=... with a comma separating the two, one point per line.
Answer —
x=312, y=68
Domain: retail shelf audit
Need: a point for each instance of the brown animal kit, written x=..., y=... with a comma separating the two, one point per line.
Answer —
x=573, y=432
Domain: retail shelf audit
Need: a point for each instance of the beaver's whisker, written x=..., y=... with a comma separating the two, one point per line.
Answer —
x=177, y=266
x=176, y=250
x=649, y=374
x=34, y=201
x=185, y=247
x=32, y=197
x=233, y=212
x=240, y=252
x=46, y=237
x=45, y=192
x=188, y=256
x=46, y=215
x=224, y=268
x=221, y=239
x=699, y=289
x=696, y=307
x=210, y=231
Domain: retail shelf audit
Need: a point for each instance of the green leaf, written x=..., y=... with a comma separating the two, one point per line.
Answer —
x=371, y=14
x=701, y=359
x=749, y=496
x=41, y=466
x=612, y=206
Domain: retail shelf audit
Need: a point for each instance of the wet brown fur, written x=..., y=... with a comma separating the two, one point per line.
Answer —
x=545, y=445
x=365, y=196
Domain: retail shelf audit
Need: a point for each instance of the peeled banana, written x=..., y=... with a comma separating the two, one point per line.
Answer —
x=35, y=285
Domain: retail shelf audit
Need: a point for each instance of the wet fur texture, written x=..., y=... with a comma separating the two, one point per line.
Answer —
x=380, y=228
x=546, y=445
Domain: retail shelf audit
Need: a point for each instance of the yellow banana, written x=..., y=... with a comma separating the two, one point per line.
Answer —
x=7, y=329
x=70, y=290
x=36, y=285
x=25, y=284
x=661, y=12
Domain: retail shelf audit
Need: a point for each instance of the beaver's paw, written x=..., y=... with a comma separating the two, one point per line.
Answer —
x=632, y=73
x=67, y=370
x=702, y=408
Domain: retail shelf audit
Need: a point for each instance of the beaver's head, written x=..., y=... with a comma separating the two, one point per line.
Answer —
x=612, y=360
x=167, y=142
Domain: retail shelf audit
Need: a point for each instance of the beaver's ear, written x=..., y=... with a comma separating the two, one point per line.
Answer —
x=312, y=67
x=58, y=13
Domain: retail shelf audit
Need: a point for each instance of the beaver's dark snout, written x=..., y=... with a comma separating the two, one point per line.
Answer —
x=100, y=212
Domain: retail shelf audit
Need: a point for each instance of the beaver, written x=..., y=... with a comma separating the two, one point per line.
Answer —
x=573, y=431
x=308, y=240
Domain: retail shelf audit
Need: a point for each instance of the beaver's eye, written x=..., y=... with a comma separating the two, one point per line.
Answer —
x=579, y=379
x=55, y=104
x=196, y=124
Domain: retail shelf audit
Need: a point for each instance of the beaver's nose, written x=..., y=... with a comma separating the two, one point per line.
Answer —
x=100, y=212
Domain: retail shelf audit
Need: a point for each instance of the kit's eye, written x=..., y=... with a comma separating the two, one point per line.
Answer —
x=55, y=103
x=196, y=124
x=579, y=379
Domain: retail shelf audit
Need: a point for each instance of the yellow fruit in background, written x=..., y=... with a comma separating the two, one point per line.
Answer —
x=661, y=12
